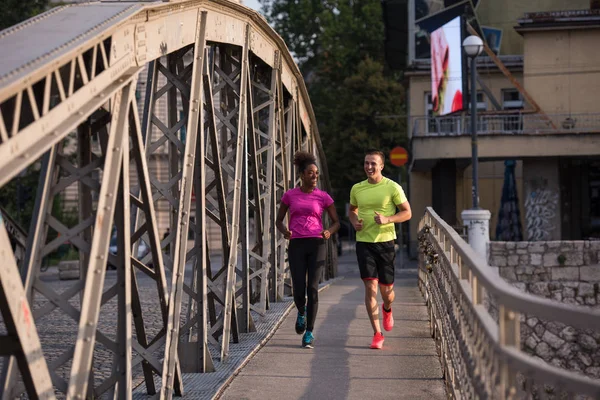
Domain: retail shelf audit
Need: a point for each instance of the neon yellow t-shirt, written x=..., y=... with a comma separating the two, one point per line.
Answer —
x=382, y=197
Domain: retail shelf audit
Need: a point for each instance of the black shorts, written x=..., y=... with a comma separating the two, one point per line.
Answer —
x=376, y=261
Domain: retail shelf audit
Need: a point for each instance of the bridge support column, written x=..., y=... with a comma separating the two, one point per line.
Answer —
x=478, y=226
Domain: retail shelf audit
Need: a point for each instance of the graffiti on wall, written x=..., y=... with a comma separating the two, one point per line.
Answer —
x=540, y=211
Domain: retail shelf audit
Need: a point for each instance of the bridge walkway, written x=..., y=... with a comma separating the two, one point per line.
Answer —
x=341, y=366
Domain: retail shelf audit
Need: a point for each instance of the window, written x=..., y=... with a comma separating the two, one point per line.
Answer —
x=481, y=101
x=512, y=100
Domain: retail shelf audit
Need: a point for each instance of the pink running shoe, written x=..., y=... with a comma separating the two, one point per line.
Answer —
x=388, y=319
x=377, y=342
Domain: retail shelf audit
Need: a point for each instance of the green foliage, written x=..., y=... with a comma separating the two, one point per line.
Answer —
x=359, y=104
x=15, y=11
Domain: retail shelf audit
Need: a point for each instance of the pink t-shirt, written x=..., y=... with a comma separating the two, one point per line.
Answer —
x=306, y=211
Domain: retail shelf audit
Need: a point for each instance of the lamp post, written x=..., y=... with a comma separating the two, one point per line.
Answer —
x=473, y=46
x=475, y=219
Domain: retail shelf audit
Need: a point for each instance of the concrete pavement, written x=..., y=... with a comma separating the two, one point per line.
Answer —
x=342, y=366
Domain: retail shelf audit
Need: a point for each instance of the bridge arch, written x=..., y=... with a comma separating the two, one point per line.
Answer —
x=181, y=115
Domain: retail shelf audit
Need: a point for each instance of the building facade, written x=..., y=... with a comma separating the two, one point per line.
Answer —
x=552, y=143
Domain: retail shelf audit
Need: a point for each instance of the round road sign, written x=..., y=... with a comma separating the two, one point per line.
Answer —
x=398, y=156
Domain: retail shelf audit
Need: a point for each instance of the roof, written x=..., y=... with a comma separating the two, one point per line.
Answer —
x=550, y=20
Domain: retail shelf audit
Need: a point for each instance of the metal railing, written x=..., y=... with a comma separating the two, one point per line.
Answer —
x=480, y=351
x=506, y=124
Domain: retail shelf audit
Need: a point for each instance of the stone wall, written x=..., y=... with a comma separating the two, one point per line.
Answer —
x=568, y=272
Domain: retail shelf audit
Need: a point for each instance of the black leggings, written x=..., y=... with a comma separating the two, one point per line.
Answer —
x=307, y=255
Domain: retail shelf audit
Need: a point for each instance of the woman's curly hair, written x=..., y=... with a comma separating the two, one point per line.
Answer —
x=303, y=159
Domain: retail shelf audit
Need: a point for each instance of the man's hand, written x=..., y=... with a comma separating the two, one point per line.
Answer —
x=326, y=234
x=287, y=234
x=380, y=219
x=359, y=225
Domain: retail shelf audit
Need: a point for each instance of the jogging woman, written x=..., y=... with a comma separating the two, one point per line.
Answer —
x=306, y=251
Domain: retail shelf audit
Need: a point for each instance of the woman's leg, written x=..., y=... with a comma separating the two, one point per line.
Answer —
x=316, y=262
x=297, y=260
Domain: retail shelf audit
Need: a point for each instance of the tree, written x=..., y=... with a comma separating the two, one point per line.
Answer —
x=359, y=104
x=15, y=11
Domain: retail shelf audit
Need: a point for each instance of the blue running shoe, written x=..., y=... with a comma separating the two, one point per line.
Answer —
x=301, y=323
x=308, y=340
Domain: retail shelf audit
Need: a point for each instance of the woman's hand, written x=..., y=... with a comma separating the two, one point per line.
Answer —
x=326, y=234
x=287, y=234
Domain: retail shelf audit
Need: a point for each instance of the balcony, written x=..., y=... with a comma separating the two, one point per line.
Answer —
x=502, y=136
x=507, y=124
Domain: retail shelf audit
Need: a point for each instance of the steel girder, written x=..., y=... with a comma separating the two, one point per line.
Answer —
x=224, y=110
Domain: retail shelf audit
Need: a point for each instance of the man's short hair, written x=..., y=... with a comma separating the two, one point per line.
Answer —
x=375, y=152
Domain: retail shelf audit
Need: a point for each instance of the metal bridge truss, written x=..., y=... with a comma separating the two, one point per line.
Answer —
x=476, y=321
x=226, y=108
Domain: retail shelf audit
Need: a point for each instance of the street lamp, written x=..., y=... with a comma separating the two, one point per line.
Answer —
x=473, y=46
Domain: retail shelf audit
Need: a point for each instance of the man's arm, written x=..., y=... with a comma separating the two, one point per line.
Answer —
x=401, y=216
x=353, y=217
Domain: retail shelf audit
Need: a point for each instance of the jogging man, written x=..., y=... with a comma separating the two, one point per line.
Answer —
x=376, y=204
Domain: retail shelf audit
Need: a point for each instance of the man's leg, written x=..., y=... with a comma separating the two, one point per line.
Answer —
x=386, y=270
x=371, y=304
x=387, y=295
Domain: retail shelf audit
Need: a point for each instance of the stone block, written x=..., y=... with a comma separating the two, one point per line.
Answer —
x=574, y=259
x=590, y=273
x=540, y=289
x=522, y=245
x=557, y=362
x=555, y=327
x=554, y=341
x=570, y=301
x=536, y=259
x=594, y=372
x=543, y=351
x=536, y=247
x=68, y=270
x=531, y=343
x=557, y=296
x=513, y=260
x=532, y=322
x=586, y=290
x=574, y=366
x=584, y=359
x=499, y=261
x=508, y=274
x=555, y=286
x=524, y=259
x=565, y=274
x=522, y=252
x=520, y=285
x=539, y=330
x=590, y=301
x=555, y=244
x=513, y=245
x=550, y=260
x=565, y=351
x=587, y=342
x=524, y=270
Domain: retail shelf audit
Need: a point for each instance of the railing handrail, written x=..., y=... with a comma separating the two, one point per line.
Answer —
x=463, y=275
x=516, y=300
x=505, y=122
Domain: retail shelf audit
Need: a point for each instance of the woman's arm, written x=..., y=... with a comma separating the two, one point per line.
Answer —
x=335, y=226
x=283, y=208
